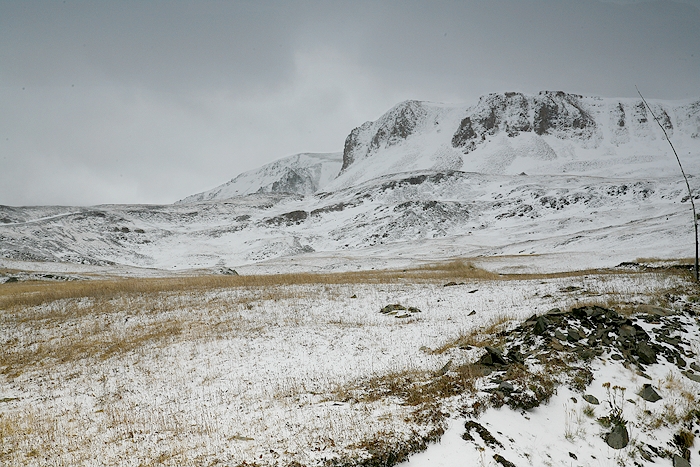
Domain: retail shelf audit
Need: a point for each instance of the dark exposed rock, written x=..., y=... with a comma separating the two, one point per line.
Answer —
x=502, y=460
x=492, y=357
x=618, y=438
x=591, y=399
x=648, y=393
x=678, y=461
x=485, y=435
x=555, y=113
x=394, y=127
x=392, y=309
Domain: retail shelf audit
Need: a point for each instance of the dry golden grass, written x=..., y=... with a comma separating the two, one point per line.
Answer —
x=59, y=323
x=32, y=293
x=479, y=337
x=92, y=305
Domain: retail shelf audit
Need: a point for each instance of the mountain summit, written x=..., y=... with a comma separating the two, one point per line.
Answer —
x=513, y=174
x=301, y=174
x=510, y=133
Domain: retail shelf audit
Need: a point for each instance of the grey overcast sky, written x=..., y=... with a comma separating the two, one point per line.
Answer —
x=151, y=101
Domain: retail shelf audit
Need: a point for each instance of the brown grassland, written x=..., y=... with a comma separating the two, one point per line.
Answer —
x=49, y=324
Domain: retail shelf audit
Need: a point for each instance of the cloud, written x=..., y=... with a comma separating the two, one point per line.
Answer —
x=109, y=102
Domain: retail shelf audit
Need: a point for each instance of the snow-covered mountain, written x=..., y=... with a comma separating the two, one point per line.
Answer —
x=428, y=215
x=510, y=133
x=512, y=174
x=301, y=174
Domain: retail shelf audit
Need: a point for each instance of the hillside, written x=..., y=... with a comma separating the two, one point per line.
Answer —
x=499, y=284
x=548, y=133
x=300, y=174
x=513, y=174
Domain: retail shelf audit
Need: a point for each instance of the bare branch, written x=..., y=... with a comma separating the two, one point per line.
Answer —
x=690, y=193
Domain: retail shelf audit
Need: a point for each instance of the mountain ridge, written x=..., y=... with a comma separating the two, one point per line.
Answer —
x=505, y=131
x=511, y=175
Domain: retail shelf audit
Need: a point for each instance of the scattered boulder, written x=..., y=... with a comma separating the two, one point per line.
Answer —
x=591, y=399
x=678, y=461
x=503, y=461
x=392, y=309
x=692, y=376
x=649, y=394
x=618, y=438
x=492, y=357
x=228, y=271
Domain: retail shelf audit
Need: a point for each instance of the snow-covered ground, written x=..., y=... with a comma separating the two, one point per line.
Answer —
x=513, y=174
x=279, y=373
x=310, y=372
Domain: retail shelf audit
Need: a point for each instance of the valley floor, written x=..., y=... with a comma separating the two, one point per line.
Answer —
x=305, y=369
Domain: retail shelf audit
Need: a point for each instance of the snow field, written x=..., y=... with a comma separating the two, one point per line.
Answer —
x=267, y=374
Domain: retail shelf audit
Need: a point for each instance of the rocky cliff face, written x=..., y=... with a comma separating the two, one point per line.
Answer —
x=552, y=132
x=301, y=174
x=512, y=174
x=552, y=113
x=392, y=128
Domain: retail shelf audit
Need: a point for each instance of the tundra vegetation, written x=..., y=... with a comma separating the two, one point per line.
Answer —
x=315, y=369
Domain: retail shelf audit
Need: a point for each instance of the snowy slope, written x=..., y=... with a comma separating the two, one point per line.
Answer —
x=548, y=133
x=513, y=174
x=428, y=215
x=301, y=173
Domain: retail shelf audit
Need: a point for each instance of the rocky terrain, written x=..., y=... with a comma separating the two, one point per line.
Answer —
x=299, y=174
x=512, y=174
x=578, y=342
